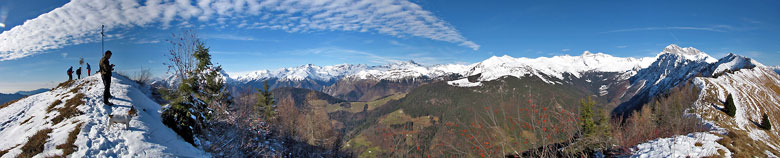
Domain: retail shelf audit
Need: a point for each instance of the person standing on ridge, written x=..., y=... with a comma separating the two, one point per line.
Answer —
x=89, y=70
x=78, y=72
x=105, y=74
x=70, y=73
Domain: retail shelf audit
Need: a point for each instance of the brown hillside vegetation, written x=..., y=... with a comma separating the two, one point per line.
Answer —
x=70, y=108
x=35, y=144
x=68, y=148
x=665, y=116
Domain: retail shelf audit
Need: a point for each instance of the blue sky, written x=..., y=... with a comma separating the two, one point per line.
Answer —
x=246, y=36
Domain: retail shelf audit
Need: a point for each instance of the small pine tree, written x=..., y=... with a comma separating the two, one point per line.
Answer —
x=730, y=108
x=265, y=103
x=602, y=123
x=765, y=124
x=586, y=116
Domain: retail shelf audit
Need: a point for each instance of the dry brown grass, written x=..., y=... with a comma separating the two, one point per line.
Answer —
x=69, y=110
x=35, y=144
x=76, y=89
x=52, y=105
x=68, y=148
x=741, y=145
x=65, y=84
x=27, y=120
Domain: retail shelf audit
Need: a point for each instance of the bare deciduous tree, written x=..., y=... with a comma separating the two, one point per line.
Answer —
x=180, y=55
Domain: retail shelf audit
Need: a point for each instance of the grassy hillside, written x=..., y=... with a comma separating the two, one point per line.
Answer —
x=755, y=91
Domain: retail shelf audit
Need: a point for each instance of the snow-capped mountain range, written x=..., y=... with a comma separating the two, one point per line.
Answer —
x=394, y=71
x=647, y=70
x=490, y=69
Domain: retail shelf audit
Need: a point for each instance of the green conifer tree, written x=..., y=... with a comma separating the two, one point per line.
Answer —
x=586, y=116
x=765, y=124
x=265, y=102
x=602, y=124
x=730, y=108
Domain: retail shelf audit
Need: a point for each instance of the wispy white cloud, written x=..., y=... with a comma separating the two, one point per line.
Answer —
x=147, y=41
x=621, y=46
x=713, y=28
x=565, y=50
x=79, y=21
x=228, y=37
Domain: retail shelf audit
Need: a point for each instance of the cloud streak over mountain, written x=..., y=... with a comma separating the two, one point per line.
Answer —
x=79, y=21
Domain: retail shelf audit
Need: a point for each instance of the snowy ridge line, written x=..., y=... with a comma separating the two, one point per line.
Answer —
x=491, y=69
x=546, y=68
x=555, y=67
x=394, y=71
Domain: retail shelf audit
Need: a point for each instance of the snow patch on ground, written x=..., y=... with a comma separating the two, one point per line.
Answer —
x=464, y=82
x=681, y=146
x=603, y=90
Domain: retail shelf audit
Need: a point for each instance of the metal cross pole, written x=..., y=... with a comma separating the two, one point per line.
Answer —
x=102, y=44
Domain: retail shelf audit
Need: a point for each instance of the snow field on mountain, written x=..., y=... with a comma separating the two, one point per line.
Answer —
x=146, y=136
x=698, y=144
x=464, y=83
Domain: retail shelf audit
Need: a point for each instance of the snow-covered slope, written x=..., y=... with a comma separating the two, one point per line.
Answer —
x=733, y=62
x=681, y=146
x=776, y=69
x=146, y=136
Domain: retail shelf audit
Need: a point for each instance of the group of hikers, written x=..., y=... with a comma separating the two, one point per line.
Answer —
x=78, y=72
x=105, y=73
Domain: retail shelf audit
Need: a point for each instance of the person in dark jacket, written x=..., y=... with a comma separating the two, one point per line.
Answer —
x=89, y=70
x=78, y=72
x=70, y=73
x=105, y=73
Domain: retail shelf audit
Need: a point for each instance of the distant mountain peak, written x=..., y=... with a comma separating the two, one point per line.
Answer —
x=734, y=62
x=588, y=53
x=408, y=63
x=689, y=53
x=675, y=49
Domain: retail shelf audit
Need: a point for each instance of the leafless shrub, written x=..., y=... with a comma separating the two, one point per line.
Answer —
x=144, y=76
x=663, y=117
